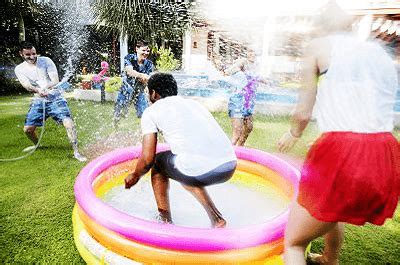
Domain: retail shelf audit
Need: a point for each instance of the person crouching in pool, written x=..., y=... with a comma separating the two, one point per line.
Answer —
x=201, y=153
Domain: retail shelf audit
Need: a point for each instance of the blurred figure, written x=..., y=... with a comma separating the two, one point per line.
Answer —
x=352, y=172
x=135, y=76
x=39, y=74
x=242, y=101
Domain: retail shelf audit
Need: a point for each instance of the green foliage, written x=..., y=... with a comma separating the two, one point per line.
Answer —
x=113, y=84
x=10, y=86
x=165, y=61
x=88, y=77
x=142, y=19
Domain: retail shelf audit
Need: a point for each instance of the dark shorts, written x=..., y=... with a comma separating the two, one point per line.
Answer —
x=165, y=164
x=57, y=109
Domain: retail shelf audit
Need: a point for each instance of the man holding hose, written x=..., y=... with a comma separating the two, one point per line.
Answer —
x=39, y=74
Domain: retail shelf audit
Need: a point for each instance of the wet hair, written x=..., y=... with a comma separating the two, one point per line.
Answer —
x=25, y=45
x=163, y=84
x=142, y=43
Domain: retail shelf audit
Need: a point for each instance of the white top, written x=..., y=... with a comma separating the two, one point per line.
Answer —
x=358, y=92
x=37, y=75
x=193, y=134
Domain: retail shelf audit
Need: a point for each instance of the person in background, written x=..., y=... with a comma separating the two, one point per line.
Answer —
x=200, y=154
x=38, y=74
x=352, y=172
x=134, y=77
x=242, y=101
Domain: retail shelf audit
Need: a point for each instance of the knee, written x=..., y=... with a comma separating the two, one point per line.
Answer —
x=249, y=127
x=238, y=129
x=154, y=170
x=29, y=129
x=292, y=240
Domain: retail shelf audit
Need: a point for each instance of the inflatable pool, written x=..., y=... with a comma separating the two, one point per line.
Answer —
x=105, y=234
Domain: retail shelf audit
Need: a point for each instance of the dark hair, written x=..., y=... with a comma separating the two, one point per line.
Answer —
x=164, y=84
x=142, y=43
x=25, y=45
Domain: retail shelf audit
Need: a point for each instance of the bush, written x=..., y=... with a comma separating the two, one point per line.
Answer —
x=166, y=60
x=113, y=84
x=10, y=85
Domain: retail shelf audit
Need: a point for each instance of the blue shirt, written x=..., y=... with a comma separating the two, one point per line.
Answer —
x=145, y=68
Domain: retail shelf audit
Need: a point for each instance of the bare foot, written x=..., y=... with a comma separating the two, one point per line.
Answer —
x=164, y=216
x=220, y=223
x=313, y=258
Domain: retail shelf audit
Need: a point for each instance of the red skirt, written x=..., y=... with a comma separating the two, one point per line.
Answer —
x=351, y=177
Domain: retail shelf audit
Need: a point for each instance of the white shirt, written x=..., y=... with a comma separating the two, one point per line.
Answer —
x=193, y=134
x=36, y=74
x=358, y=92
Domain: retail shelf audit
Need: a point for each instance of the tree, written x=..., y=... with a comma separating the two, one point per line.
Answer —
x=153, y=20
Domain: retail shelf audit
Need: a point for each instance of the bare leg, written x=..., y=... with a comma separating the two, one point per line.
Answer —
x=73, y=139
x=333, y=243
x=237, y=130
x=202, y=196
x=160, y=184
x=302, y=228
x=30, y=131
x=247, y=128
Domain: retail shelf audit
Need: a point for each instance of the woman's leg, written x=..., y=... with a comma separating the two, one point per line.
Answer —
x=302, y=228
x=247, y=128
x=237, y=130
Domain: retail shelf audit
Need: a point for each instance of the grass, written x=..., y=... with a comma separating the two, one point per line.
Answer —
x=37, y=192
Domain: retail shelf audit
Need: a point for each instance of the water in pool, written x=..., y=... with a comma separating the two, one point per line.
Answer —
x=241, y=206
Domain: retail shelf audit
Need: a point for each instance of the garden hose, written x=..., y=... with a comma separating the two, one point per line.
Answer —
x=37, y=144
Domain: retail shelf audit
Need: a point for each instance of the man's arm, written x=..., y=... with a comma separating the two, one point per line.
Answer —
x=143, y=78
x=235, y=67
x=53, y=74
x=146, y=160
x=24, y=81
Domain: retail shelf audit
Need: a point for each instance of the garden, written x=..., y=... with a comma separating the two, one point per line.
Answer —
x=37, y=192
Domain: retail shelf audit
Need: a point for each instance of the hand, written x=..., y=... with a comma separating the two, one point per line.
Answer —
x=131, y=180
x=143, y=78
x=43, y=92
x=287, y=142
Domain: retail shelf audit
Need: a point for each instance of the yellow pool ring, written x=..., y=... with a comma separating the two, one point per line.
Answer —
x=249, y=174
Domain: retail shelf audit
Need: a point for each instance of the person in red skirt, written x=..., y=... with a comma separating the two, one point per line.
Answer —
x=352, y=171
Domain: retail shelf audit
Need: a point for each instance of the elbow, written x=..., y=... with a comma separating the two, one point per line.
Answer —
x=302, y=117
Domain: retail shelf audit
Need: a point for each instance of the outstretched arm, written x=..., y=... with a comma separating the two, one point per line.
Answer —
x=235, y=67
x=146, y=160
x=26, y=83
x=143, y=78
x=303, y=112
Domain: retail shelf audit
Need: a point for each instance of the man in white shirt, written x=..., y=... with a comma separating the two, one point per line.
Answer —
x=201, y=153
x=39, y=75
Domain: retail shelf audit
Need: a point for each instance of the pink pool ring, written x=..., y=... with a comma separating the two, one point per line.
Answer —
x=177, y=239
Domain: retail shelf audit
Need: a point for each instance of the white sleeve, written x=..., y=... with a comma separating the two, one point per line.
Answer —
x=25, y=82
x=51, y=67
x=148, y=124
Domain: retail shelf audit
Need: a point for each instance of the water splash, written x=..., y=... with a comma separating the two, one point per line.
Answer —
x=74, y=34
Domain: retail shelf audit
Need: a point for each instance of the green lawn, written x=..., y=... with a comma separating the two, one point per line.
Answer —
x=37, y=192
